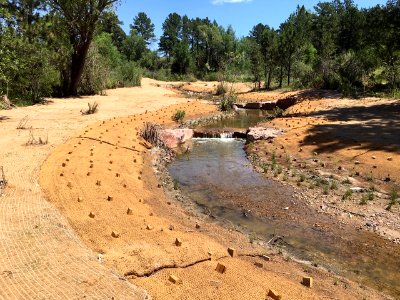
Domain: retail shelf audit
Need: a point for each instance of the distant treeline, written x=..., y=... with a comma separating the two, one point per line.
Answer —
x=64, y=48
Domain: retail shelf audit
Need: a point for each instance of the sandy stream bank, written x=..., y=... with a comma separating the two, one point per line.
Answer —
x=56, y=250
x=146, y=237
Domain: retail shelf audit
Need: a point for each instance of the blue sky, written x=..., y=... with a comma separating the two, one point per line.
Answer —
x=241, y=14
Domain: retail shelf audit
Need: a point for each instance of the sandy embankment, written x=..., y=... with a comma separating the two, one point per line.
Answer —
x=41, y=256
x=104, y=170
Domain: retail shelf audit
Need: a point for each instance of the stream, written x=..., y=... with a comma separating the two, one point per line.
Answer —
x=218, y=177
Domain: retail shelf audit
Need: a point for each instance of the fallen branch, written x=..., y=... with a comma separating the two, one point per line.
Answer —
x=172, y=266
x=175, y=266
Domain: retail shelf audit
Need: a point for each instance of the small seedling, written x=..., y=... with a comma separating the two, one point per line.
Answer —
x=176, y=184
x=369, y=177
x=326, y=189
x=279, y=169
x=347, y=195
x=334, y=185
x=393, y=199
x=302, y=178
x=369, y=196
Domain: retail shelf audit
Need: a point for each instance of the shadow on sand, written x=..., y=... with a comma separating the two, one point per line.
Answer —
x=366, y=128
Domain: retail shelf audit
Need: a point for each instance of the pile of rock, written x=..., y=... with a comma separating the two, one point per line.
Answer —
x=260, y=133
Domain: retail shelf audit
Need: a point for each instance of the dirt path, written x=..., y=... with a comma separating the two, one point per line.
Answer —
x=41, y=257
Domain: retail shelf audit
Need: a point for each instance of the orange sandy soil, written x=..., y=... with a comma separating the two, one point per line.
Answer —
x=243, y=90
x=353, y=141
x=101, y=171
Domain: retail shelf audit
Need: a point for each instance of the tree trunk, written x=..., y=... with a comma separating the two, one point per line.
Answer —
x=77, y=65
x=281, y=77
x=269, y=79
x=288, y=73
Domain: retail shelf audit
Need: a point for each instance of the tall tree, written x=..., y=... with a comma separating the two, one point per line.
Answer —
x=109, y=22
x=80, y=18
x=172, y=28
x=143, y=27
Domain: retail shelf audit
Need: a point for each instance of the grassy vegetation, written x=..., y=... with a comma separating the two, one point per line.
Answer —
x=178, y=116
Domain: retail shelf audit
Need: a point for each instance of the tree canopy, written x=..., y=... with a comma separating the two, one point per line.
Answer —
x=65, y=48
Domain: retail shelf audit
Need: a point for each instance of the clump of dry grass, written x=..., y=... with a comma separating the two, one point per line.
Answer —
x=3, y=181
x=151, y=133
x=32, y=140
x=92, y=109
x=23, y=122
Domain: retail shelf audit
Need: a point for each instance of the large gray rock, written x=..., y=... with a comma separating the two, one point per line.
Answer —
x=260, y=133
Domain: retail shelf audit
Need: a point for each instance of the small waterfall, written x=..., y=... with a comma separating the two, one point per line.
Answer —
x=215, y=134
x=226, y=135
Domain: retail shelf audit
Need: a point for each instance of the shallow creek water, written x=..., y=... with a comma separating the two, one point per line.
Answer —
x=217, y=176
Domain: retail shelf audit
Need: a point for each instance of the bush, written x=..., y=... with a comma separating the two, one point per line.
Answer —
x=221, y=90
x=131, y=74
x=150, y=132
x=95, y=73
x=227, y=101
x=26, y=73
x=347, y=195
x=179, y=115
x=393, y=199
x=210, y=77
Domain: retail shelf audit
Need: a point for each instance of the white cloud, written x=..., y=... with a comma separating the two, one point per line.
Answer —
x=219, y=2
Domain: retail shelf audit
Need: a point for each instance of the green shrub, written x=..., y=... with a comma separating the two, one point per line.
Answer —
x=95, y=73
x=334, y=185
x=227, y=101
x=369, y=196
x=131, y=74
x=178, y=115
x=393, y=198
x=347, y=195
x=211, y=77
